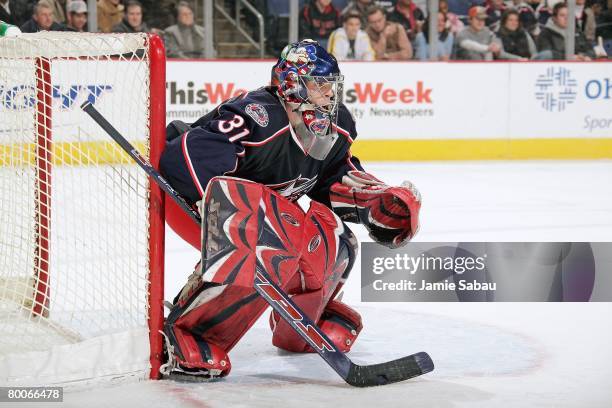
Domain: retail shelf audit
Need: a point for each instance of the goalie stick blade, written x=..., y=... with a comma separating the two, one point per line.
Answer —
x=189, y=378
x=355, y=375
x=391, y=371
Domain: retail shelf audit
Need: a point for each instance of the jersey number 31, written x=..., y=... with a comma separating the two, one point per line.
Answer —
x=227, y=126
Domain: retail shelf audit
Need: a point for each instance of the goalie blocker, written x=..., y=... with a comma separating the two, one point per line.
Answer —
x=247, y=225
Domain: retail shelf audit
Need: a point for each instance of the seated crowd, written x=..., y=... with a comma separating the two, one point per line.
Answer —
x=359, y=29
x=183, y=38
x=492, y=29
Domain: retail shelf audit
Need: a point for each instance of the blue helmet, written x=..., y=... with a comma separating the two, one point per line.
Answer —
x=304, y=62
x=308, y=79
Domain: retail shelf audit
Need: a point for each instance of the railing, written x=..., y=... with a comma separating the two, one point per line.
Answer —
x=236, y=23
x=570, y=31
x=433, y=7
x=294, y=11
x=209, y=50
x=92, y=16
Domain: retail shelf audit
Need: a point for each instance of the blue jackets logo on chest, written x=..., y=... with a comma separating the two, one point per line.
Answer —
x=258, y=113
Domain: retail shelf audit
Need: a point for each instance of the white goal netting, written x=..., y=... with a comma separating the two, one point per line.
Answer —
x=75, y=237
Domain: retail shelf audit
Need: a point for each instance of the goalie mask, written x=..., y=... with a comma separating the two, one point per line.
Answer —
x=307, y=78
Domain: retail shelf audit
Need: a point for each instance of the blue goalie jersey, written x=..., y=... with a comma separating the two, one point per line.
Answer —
x=250, y=137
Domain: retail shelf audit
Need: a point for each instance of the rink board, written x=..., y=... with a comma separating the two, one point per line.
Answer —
x=439, y=111
x=404, y=111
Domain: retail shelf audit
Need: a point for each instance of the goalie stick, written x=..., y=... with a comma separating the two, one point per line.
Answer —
x=357, y=375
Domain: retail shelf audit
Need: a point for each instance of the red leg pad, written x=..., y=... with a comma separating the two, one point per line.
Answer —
x=284, y=336
x=196, y=354
x=222, y=315
x=341, y=323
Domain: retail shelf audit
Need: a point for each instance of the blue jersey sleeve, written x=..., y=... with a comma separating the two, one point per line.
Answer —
x=210, y=148
x=342, y=165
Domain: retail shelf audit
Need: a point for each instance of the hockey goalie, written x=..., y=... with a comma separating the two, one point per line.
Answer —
x=245, y=164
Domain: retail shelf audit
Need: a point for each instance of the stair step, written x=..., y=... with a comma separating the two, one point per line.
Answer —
x=233, y=50
x=230, y=37
x=240, y=45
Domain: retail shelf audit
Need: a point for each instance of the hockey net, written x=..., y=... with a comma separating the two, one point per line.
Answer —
x=81, y=227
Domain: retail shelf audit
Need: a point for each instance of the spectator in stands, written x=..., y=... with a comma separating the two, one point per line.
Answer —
x=132, y=22
x=516, y=42
x=8, y=12
x=409, y=16
x=495, y=9
x=454, y=22
x=318, y=19
x=361, y=7
x=42, y=20
x=603, y=20
x=462, y=7
x=544, y=11
x=551, y=41
x=585, y=20
x=162, y=13
x=387, y=5
x=445, y=41
x=58, y=7
x=527, y=17
x=476, y=41
x=77, y=16
x=185, y=39
x=389, y=40
x=23, y=10
x=110, y=13
x=349, y=42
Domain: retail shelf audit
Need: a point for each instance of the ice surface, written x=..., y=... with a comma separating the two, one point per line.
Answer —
x=486, y=354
